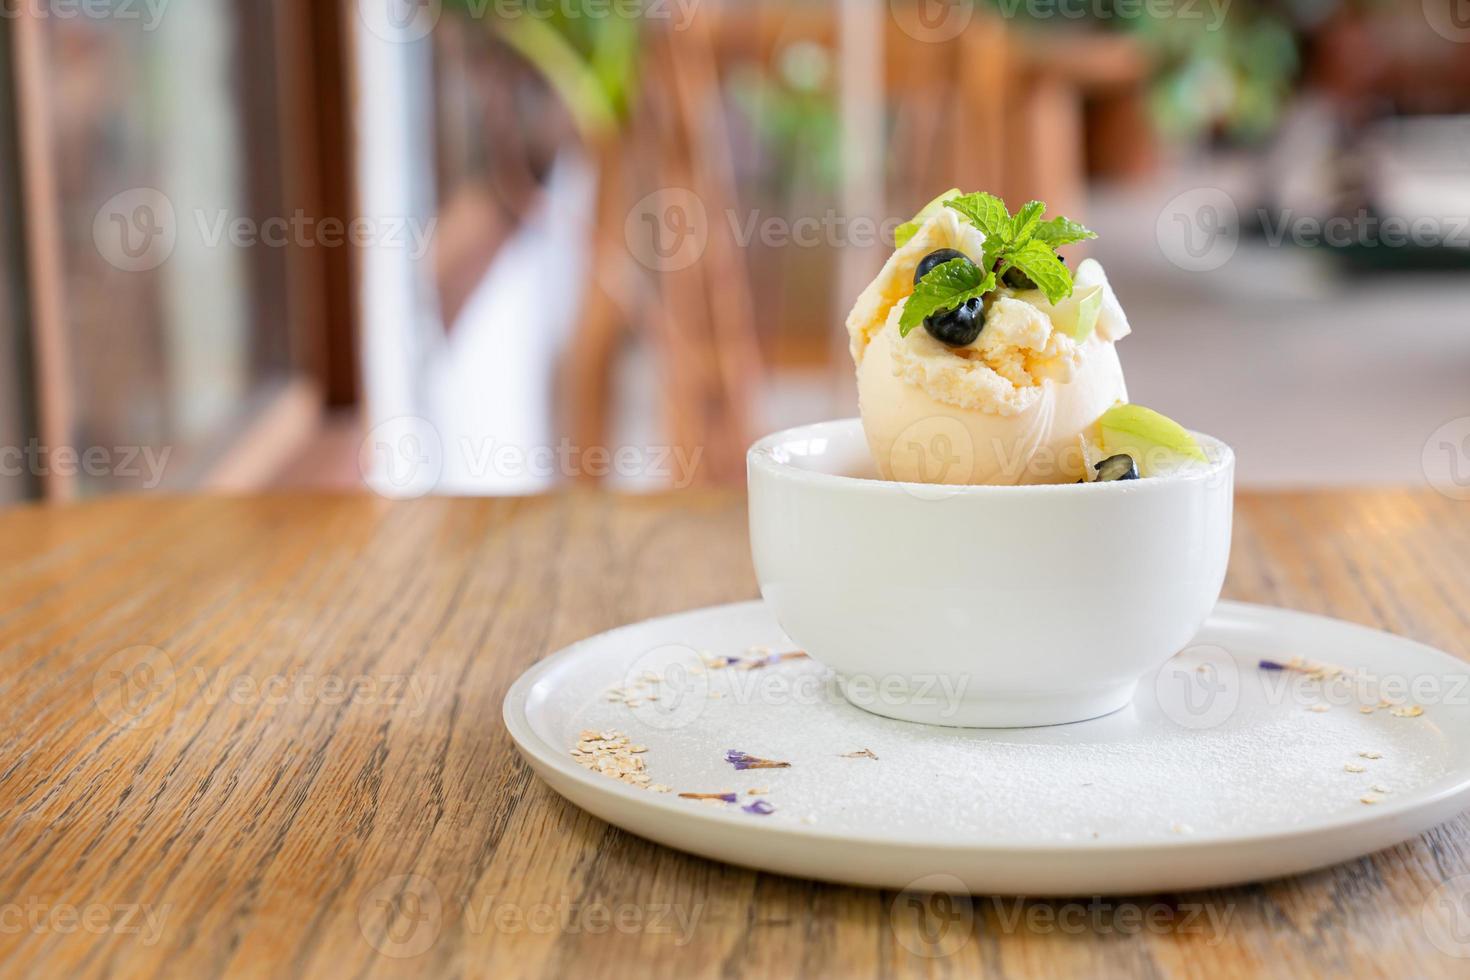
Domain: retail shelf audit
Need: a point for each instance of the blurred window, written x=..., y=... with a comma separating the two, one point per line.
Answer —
x=166, y=157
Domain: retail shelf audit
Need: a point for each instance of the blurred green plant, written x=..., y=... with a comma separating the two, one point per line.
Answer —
x=1221, y=69
x=1234, y=81
x=585, y=50
x=793, y=113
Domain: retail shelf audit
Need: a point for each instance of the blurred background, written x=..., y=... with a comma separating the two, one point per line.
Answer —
x=495, y=246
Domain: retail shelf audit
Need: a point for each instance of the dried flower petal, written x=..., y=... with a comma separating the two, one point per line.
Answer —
x=860, y=754
x=760, y=808
x=721, y=797
x=1273, y=665
x=742, y=761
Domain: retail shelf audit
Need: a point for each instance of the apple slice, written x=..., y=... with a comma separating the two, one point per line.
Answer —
x=1076, y=316
x=1112, y=323
x=1089, y=442
x=1156, y=443
x=909, y=229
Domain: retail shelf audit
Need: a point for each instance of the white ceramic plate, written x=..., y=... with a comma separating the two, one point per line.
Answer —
x=1219, y=772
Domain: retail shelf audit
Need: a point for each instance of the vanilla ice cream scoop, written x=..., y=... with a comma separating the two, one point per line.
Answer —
x=1009, y=407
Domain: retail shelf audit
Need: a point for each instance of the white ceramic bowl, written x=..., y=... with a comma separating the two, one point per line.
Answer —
x=983, y=606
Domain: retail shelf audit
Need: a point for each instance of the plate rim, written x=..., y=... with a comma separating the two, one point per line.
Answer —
x=537, y=750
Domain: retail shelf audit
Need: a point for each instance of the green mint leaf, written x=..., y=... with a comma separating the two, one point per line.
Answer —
x=1040, y=262
x=946, y=287
x=1026, y=221
x=995, y=249
x=986, y=212
x=1062, y=231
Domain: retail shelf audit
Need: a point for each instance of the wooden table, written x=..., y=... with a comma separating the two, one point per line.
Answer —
x=188, y=785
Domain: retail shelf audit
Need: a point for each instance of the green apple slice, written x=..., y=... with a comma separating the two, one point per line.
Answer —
x=1089, y=442
x=1076, y=316
x=909, y=229
x=1153, y=440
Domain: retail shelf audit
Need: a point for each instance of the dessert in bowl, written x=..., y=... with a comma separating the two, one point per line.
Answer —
x=1002, y=539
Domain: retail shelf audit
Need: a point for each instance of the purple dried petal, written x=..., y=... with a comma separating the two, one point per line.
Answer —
x=725, y=797
x=744, y=760
x=773, y=659
x=760, y=808
x=1273, y=665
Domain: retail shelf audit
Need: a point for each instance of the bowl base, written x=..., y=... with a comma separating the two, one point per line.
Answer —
x=1004, y=711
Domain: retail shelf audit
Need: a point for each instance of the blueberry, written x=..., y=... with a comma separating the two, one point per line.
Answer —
x=1016, y=279
x=959, y=326
x=1119, y=467
x=935, y=259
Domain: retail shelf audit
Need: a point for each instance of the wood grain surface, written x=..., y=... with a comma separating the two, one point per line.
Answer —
x=262, y=737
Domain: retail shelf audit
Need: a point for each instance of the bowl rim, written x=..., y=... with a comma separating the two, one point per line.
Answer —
x=762, y=456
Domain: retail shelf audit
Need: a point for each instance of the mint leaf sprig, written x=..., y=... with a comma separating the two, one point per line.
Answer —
x=945, y=287
x=1022, y=241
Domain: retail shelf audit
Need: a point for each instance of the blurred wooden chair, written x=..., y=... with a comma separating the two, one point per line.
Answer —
x=697, y=318
x=987, y=108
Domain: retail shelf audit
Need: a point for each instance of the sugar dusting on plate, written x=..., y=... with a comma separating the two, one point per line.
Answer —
x=1132, y=775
